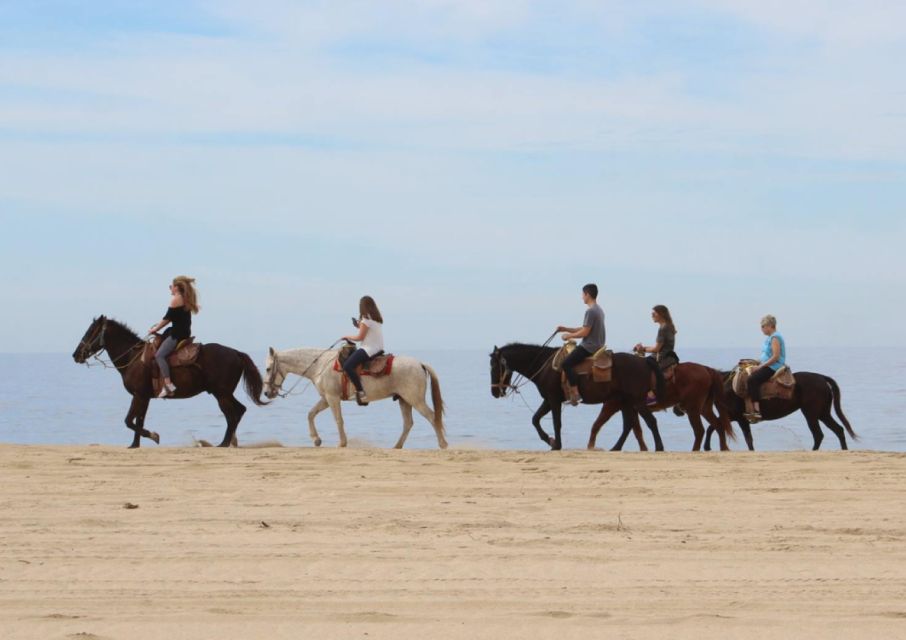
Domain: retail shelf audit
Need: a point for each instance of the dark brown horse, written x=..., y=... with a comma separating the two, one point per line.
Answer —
x=814, y=395
x=217, y=371
x=631, y=382
x=695, y=388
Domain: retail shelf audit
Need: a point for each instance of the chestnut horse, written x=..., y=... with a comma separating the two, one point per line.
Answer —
x=217, y=371
x=814, y=395
x=631, y=383
x=694, y=387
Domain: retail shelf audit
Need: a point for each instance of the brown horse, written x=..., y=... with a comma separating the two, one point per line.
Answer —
x=631, y=381
x=217, y=371
x=694, y=387
x=814, y=395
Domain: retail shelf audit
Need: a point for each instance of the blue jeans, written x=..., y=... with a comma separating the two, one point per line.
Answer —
x=359, y=356
x=166, y=348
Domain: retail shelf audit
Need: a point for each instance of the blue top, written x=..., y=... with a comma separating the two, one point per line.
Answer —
x=767, y=352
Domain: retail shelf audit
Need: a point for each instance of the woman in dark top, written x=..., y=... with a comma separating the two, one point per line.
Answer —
x=183, y=303
x=663, y=349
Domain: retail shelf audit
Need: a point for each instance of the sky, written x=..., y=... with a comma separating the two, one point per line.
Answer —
x=468, y=164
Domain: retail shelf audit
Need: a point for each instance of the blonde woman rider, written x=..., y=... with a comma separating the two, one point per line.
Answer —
x=183, y=303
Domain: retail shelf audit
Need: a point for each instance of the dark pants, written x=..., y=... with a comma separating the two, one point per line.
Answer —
x=756, y=380
x=569, y=362
x=359, y=356
x=165, y=349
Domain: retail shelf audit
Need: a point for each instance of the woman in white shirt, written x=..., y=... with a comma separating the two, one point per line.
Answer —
x=371, y=335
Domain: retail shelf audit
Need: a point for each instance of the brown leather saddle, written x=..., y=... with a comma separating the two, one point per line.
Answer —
x=599, y=366
x=185, y=355
x=782, y=384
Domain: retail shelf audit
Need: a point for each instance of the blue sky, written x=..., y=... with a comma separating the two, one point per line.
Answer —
x=469, y=164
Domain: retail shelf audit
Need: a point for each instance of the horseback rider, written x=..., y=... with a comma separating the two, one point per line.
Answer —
x=371, y=334
x=183, y=303
x=592, y=333
x=663, y=348
x=773, y=356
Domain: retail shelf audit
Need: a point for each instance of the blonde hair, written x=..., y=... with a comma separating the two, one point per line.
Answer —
x=769, y=321
x=186, y=286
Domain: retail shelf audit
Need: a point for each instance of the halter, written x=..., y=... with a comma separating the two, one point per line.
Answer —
x=504, y=372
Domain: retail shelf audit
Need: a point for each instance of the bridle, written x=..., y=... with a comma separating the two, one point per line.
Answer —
x=505, y=373
x=273, y=374
x=505, y=370
x=98, y=340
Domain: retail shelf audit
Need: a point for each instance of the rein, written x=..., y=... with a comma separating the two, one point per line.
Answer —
x=514, y=386
x=286, y=394
x=101, y=344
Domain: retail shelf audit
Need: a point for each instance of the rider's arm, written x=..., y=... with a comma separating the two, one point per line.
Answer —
x=363, y=329
x=581, y=332
x=175, y=303
x=775, y=353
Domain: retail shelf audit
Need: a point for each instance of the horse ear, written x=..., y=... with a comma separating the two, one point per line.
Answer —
x=270, y=350
x=496, y=349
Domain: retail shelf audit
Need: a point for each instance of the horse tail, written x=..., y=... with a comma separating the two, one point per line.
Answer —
x=436, y=398
x=254, y=385
x=836, y=392
x=720, y=403
x=660, y=390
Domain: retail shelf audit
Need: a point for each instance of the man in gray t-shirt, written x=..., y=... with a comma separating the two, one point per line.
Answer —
x=592, y=333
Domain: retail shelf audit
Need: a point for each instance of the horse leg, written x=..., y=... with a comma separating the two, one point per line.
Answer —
x=422, y=407
x=135, y=421
x=630, y=418
x=698, y=428
x=556, y=413
x=651, y=423
x=747, y=433
x=228, y=408
x=406, y=411
x=542, y=411
x=240, y=410
x=315, y=410
x=714, y=423
x=607, y=411
x=338, y=417
x=836, y=427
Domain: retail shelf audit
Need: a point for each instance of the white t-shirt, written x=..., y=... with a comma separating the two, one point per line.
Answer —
x=374, y=339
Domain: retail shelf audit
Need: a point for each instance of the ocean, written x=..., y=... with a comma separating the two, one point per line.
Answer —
x=48, y=399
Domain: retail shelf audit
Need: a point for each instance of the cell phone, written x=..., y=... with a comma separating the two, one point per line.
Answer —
x=355, y=323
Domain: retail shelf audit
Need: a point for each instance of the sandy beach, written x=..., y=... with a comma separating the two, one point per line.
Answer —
x=98, y=542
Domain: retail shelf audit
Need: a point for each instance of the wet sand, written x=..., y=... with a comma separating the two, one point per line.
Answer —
x=98, y=542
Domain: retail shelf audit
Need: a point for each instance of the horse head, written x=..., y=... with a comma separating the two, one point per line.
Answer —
x=92, y=342
x=273, y=376
x=501, y=374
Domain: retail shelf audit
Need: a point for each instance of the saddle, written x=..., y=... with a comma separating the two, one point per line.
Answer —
x=782, y=384
x=599, y=365
x=185, y=354
x=377, y=367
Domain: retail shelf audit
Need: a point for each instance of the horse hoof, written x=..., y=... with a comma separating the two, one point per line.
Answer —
x=317, y=442
x=133, y=446
x=156, y=437
x=552, y=441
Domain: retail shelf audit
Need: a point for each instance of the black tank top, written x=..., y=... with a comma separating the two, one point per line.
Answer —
x=181, y=319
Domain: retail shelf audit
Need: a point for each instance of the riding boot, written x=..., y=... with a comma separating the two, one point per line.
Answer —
x=361, y=399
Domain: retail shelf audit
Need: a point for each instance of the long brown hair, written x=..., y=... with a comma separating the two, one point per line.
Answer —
x=186, y=286
x=664, y=312
x=368, y=309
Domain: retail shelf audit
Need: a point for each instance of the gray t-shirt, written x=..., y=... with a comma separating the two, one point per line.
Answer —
x=594, y=319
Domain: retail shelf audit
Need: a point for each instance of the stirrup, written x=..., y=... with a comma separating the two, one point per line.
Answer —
x=753, y=417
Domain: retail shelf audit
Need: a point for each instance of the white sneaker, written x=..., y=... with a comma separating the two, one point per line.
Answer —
x=167, y=390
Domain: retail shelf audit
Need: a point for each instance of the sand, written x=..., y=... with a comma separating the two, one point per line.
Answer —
x=98, y=542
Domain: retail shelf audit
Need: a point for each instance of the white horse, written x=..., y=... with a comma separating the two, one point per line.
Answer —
x=407, y=382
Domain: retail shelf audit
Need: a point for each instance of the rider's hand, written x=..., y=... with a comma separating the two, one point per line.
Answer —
x=565, y=336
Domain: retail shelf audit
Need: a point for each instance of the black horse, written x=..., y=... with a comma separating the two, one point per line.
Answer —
x=631, y=382
x=217, y=371
x=814, y=395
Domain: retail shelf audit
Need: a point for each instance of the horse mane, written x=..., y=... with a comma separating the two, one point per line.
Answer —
x=125, y=328
x=523, y=345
